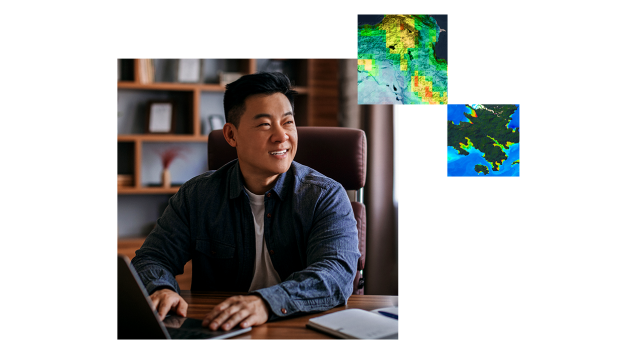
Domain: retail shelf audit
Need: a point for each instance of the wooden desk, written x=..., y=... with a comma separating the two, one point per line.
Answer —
x=201, y=303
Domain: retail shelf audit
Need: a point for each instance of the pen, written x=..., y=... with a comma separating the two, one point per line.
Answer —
x=393, y=316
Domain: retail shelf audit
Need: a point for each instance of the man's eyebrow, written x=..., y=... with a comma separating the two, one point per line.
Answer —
x=258, y=116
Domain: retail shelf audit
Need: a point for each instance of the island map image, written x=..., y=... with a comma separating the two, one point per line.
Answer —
x=483, y=140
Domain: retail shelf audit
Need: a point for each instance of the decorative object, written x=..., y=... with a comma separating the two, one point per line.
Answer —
x=160, y=117
x=210, y=123
x=167, y=157
x=228, y=77
x=166, y=178
x=216, y=122
x=189, y=71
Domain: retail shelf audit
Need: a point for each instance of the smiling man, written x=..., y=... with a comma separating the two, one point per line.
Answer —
x=261, y=224
x=267, y=144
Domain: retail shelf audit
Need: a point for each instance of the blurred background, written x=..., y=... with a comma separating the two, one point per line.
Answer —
x=194, y=90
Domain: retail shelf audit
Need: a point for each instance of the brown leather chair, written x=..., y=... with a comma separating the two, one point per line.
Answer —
x=339, y=153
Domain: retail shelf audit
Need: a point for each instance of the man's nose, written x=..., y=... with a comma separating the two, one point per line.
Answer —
x=279, y=134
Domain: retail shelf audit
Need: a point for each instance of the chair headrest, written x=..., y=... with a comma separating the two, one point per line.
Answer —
x=339, y=153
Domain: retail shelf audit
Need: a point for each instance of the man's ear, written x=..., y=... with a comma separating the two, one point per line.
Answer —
x=230, y=132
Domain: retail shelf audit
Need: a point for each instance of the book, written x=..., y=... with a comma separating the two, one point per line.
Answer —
x=125, y=180
x=358, y=323
x=146, y=71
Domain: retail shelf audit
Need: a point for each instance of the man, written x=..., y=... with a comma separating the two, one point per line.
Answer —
x=263, y=223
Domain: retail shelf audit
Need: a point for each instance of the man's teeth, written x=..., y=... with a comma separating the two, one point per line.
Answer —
x=278, y=152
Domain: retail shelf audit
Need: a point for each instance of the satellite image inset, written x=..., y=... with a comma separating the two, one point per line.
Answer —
x=402, y=59
x=483, y=140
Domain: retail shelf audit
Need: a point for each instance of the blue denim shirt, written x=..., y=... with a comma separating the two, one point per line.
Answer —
x=309, y=229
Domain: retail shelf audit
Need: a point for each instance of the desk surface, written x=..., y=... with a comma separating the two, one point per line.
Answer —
x=201, y=303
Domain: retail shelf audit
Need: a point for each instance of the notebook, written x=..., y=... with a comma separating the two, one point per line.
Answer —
x=358, y=324
x=137, y=319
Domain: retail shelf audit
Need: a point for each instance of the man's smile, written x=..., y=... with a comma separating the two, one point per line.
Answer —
x=279, y=154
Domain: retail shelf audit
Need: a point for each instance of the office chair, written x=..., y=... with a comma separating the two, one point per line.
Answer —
x=339, y=153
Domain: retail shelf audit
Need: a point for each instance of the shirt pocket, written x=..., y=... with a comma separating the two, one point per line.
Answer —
x=219, y=262
x=214, y=249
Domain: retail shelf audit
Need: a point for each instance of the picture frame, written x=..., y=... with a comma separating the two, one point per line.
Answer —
x=189, y=70
x=161, y=118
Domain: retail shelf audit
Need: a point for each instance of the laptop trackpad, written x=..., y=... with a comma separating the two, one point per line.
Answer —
x=192, y=325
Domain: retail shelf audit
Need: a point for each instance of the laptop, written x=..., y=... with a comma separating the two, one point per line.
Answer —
x=137, y=319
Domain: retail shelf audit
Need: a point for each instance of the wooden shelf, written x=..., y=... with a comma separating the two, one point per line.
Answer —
x=186, y=87
x=170, y=86
x=163, y=137
x=132, y=190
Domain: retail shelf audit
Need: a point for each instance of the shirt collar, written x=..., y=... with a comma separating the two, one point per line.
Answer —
x=283, y=183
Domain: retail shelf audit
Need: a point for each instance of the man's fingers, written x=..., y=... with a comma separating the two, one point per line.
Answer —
x=234, y=318
x=244, y=310
x=216, y=311
x=182, y=307
x=249, y=321
x=223, y=316
x=164, y=307
x=154, y=301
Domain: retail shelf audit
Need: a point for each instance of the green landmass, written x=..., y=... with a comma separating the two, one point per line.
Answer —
x=482, y=169
x=488, y=132
x=515, y=162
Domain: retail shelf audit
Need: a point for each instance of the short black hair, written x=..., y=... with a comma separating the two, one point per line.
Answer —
x=266, y=83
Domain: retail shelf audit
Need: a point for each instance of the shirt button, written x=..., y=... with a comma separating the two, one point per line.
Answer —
x=268, y=215
x=213, y=252
x=271, y=252
x=284, y=311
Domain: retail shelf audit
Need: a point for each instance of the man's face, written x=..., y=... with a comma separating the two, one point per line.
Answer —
x=266, y=138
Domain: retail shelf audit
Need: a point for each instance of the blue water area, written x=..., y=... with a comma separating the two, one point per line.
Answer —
x=515, y=119
x=460, y=165
x=456, y=113
x=442, y=44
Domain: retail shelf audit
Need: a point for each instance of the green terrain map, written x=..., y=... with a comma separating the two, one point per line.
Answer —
x=397, y=62
x=487, y=129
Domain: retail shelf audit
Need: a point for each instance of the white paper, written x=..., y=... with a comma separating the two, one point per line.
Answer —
x=160, y=120
x=358, y=323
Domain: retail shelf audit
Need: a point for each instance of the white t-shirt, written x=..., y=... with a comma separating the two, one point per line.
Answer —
x=264, y=275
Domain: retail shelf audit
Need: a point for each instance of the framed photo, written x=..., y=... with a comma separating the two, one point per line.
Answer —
x=160, y=117
x=189, y=70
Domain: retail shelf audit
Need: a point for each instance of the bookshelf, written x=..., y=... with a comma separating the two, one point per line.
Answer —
x=141, y=199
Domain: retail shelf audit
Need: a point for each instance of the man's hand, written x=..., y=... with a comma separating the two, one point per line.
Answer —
x=165, y=299
x=247, y=310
